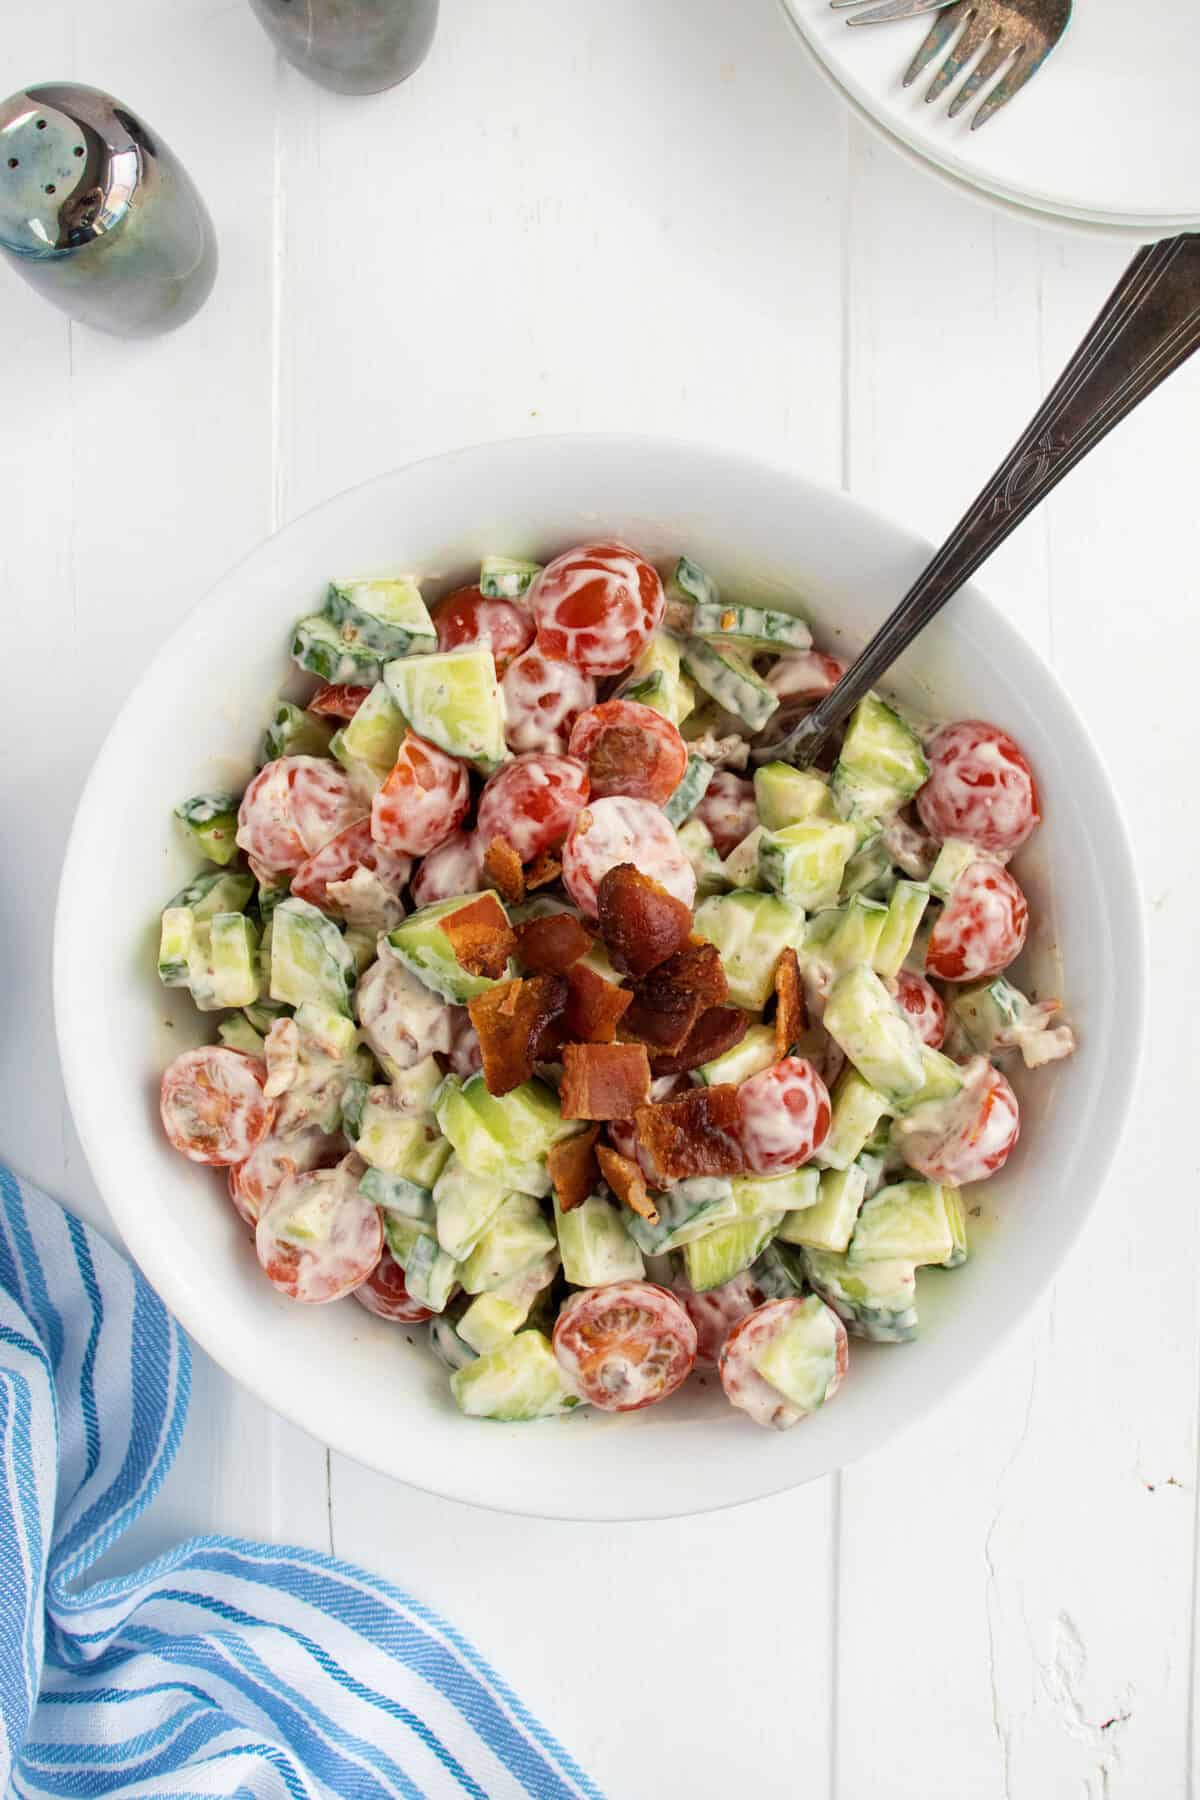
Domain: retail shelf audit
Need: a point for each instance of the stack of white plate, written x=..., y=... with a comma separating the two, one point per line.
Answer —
x=1106, y=138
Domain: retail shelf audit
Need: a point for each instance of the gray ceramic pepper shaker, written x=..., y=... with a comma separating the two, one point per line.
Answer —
x=98, y=215
x=352, y=46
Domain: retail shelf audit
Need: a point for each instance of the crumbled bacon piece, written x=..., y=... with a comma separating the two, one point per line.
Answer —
x=544, y=869
x=511, y=1019
x=697, y=967
x=714, y=1032
x=604, y=1081
x=663, y=1022
x=480, y=936
x=640, y=922
x=502, y=866
x=791, y=1013
x=594, y=1006
x=552, y=943
x=627, y=1183
x=669, y=1001
x=694, y=1134
x=573, y=1168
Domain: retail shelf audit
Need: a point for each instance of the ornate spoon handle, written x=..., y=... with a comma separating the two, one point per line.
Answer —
x=1149, y=325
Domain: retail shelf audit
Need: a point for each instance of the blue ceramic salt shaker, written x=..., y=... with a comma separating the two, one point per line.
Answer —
x=352, y=46
x=98, y=214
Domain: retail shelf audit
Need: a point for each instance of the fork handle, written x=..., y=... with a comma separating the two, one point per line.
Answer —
x=1148, y=326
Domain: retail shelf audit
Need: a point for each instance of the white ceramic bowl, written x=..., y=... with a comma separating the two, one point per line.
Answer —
x=193, y=721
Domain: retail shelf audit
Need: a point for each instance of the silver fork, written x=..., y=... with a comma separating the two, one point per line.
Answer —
x=1019, y=33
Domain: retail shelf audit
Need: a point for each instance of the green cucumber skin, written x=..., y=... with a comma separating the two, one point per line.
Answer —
x=691, y=790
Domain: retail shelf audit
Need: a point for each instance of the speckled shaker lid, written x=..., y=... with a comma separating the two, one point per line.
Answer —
x=69, y=166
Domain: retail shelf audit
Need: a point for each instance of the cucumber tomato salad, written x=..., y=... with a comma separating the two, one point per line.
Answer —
x=555, y=1014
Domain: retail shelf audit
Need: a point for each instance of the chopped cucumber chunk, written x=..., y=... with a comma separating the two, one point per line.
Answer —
x=717, y=1257
x=741, y=866
x=516, y=1238
x=757, y=1195
x=657, y=680
x=402, y=1234
x=685, y=1212
x=216, y=891
x=447, y=1345
x=801, y=1361
x=400, y=1143
x=430, y=1275
x=506, y=1137
x=691, y=790
x=233, y=976
x=695, y=840
x=869, y=872
x=319, y=647
x=691, y=581
x=941, y=1079
x=506, y=578
x=779, y=1271
x=877, y=1301
x=906, y=909
x=388, y=616
x=750, y=627
x=755, y=1053
x=881, y=764
x=953, y=859
x=520, y=1380
x=729, y=679
x=751, y=930
x=805, y=862
x=958, y=1228
x=211, y=822
x=397, y=1194
x=466, y=1205
x=453, y=700
x=177, y=946
x=595, y=1244
x=829, y=1225
x=310, y=959
x=906, y=1222
x=237, y=1033
x=787, y=796
x=857, y=1111
x=425, y=950
x=294, y=732
x=372, y=738
x=843, y=936
x=867, y=1024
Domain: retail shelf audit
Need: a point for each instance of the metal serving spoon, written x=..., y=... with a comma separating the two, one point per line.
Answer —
x=1149, y=325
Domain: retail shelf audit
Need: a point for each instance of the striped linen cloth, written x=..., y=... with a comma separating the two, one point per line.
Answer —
x=224, y=1668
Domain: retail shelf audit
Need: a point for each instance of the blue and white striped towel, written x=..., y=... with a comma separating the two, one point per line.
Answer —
x=224, y=1668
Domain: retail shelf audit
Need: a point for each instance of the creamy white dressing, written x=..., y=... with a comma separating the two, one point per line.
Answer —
x=402, y=1020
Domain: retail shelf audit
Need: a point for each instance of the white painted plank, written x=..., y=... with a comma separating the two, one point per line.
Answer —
x=133, y=474
x=685, y=1657
x=1023, y=1544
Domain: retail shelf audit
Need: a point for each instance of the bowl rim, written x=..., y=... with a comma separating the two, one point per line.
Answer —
x=150, y=1255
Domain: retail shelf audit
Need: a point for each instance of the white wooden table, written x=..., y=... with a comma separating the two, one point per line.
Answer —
x=649, y=215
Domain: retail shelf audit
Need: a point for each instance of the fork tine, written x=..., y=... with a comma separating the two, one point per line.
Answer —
x=977, y=32
x=936, y=39
x=993, y=58
x=888, y=10
x=1028, y=62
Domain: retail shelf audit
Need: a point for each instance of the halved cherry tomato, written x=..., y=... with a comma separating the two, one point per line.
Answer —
x=531, y=801
x=385, y=1293
x=319, y=1238
x=253, y=1184
x=454, y=868
x=727, y=808
x=542, y=700
x=923, y=1007
x=746, y=1388
x=715, y=1313
x=617, y=830
x=980, y=788
x=423, y=800
x=340, y=858
x=212, y=1104
x=967, y=1137
x=625, y=1346
x=292, y=808
x=981, y=928
x=333, y=701
x=783, y=1115
x=596, y=607
x=466, y=618
x=629, y=749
